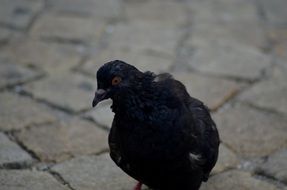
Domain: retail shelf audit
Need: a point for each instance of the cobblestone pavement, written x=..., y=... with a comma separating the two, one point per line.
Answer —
x=232, y=54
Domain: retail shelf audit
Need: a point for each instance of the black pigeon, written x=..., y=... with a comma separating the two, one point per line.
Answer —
x=160, y=135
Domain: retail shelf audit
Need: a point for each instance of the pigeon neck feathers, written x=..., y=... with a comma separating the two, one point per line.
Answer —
x=150, y=98
x=135, y=98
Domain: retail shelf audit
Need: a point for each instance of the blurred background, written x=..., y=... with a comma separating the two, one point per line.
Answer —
x=231, y=54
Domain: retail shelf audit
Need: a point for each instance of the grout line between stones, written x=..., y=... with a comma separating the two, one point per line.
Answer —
x=97, y=123
x=179, y=62
x=262, y=109
x=249, y=84
x=8, y=87
x=35, y=18
x=261, y=175
x=13, y=138
x=49, y=104
x=60, y=179
x=60, y=109
x=21, y=164
x=65, y=41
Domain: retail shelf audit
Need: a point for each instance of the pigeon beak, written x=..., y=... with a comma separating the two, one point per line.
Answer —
x=100, y=95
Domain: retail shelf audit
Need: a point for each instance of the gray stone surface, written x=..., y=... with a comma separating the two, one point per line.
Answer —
x=164, y=12
x=96, y=8
x=94, y=173
x=4, y=35
x=275, y=166
x=214, y=92
x=19, y=13
x=226, y=20
x=275, y=11
x=281, y=52
x=102, y=114
x=224, y=58
x=50, y=57
x=270, y=93
x=278, y=36
x=145, y=35
x=11, y=153
x=68, y=28
x=144, y=61
x=12, y=74
x=28, y=180
x=249, y=132
x=236, y=180
x=224, y=11
x=226, y=160
x=59, y=141
x=70, y=91
x=231, y=32
x=16, y=112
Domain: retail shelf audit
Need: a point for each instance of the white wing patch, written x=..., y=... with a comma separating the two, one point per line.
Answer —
x=118, y=160
x=162, y=77
x=194, y=157
x=213, y=127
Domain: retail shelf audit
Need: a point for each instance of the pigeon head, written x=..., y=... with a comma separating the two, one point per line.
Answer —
x=112, y=77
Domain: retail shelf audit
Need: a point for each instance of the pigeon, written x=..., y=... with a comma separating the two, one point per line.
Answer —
x=160, y=135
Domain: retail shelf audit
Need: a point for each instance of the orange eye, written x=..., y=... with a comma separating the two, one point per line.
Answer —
x=116, y=80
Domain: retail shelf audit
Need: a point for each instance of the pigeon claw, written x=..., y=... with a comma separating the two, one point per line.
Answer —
x=138, y=186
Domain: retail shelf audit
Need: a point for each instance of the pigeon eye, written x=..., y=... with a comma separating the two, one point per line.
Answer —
x=116, y=80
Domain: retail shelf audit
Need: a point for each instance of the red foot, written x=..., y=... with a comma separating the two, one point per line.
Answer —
x=138, y=186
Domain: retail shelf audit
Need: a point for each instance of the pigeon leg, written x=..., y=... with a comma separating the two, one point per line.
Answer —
x=138, y=186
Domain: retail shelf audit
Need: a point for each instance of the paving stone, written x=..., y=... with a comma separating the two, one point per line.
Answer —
x=94, y=173
x=51, y=57
x=278, y=37
x=4, y=35
x=234, y=60
x=248, y=132
x=277, y=34
x=145, y=35
x=270, y=94
x=16, y=112
x=170, y=12
x=236, y=180
x=102, y=114
x=223, y=10
x=226, y=20
x=205, y=32
x=214, y=92
x=275, y=11
x=12, y=74
x=275, y=166
x=280, y=51
x=19, y=13
x=28, y=180
x=144, y=61
x=76, y=92
x=226, y=160
x=278, y=73
x=96, y=8
x=61, y=140
x=11, y=153
x=68, y=28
